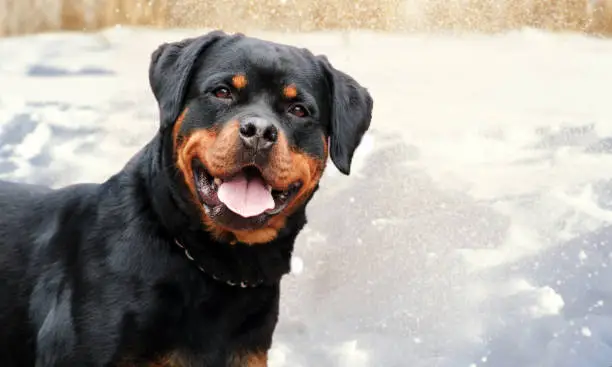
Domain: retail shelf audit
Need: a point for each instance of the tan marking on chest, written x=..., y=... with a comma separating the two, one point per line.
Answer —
x=250, y=359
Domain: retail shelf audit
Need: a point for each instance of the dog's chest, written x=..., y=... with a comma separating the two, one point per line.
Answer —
x=236, y=359
x=218, y=328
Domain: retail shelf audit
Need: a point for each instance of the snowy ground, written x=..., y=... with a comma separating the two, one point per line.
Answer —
x=476, y=230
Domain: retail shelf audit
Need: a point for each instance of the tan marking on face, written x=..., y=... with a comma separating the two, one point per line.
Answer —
x=217, y=150
x=239, y=81
x=290, y=91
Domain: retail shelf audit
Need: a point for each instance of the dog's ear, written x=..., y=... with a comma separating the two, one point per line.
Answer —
x=170, y=70
x=351, y=113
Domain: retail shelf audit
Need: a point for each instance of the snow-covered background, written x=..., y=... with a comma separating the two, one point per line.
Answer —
x=475, y=231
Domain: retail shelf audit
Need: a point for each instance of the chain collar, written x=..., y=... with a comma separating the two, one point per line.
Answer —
x=242, y=284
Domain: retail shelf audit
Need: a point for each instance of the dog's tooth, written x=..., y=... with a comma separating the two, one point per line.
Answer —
x=269, y=188
x=218, y=181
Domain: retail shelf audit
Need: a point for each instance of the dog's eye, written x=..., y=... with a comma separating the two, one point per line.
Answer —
x=222, y=93
x=298, y=110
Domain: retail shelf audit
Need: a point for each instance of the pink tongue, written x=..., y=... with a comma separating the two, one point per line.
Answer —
x=246, y=197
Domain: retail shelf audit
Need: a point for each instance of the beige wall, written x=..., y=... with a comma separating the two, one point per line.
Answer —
x=26, y=16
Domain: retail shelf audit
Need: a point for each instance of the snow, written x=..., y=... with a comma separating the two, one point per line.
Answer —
x=476, y=229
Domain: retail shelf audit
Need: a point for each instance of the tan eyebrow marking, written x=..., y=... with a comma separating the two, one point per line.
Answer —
x=290, y=91
x=239, y=81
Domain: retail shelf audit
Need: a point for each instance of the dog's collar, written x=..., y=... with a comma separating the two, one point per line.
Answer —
x=241, y=284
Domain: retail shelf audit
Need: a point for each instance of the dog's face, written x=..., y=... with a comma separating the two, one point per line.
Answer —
x=250, y=122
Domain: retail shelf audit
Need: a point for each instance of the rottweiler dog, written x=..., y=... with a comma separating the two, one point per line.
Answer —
x=176, y=260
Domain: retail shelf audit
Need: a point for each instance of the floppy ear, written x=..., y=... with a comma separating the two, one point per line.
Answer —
x=170, y=70
x=351, y=113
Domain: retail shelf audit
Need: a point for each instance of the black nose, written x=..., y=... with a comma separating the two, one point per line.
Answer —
x=258, y=133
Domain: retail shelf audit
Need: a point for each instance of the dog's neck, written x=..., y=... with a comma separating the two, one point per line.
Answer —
x=233, y=264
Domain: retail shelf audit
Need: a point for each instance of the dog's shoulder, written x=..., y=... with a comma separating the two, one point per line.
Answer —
x=14, y=194
x=37, y=226
x=30, y=204
x=32, y=216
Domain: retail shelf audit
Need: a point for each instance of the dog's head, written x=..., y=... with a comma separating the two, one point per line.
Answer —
x=252, y=124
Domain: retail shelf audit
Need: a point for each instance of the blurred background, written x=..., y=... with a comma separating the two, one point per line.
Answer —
x=27, y=16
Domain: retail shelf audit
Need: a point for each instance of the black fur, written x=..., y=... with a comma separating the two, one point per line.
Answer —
x=351, y=115
x=90, y=274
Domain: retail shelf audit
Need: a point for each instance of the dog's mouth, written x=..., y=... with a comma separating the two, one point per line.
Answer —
x=242, y=197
